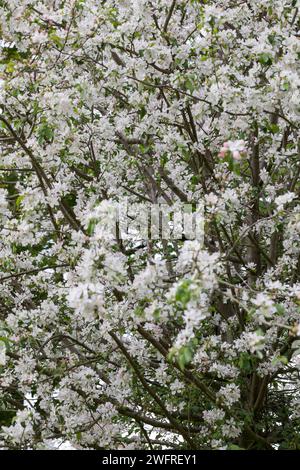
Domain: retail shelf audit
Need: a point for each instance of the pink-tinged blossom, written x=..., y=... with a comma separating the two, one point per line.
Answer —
x=236, y=147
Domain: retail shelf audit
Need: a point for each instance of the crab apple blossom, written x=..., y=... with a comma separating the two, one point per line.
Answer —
x=114, y=339
x=235, y=147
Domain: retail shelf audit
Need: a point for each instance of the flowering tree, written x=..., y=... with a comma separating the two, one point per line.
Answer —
x=113, y=342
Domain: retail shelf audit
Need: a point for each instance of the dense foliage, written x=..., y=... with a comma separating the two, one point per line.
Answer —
x=113, y=342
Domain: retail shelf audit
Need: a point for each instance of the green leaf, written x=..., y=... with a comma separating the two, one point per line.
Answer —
x=189, y=85
x=91, y=227
x=6, y=417
x=19, y=201
x=274, y=128
x=184, y=355
x=183, y=294
x=280, y=309
x=282, y=359
x=245, y=362
x=56, y=39
x=265, y=58
x=45, y=133
x=285, y=86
